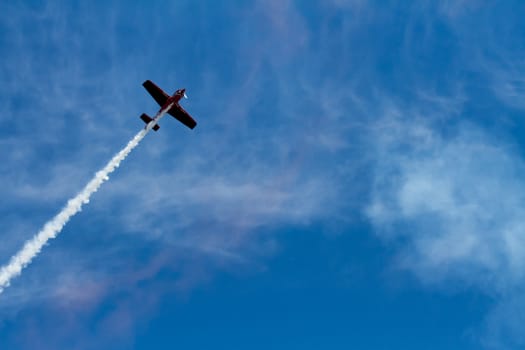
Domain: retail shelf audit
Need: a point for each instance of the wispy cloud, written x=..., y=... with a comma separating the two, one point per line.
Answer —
x=459, y=199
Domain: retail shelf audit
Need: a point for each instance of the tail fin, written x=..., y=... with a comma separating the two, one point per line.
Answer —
x=146, y=118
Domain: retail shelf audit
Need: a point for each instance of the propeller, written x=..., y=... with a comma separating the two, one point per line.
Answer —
x=185, y=96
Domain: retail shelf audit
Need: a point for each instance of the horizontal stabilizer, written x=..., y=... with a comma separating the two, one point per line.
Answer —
x=147, y=119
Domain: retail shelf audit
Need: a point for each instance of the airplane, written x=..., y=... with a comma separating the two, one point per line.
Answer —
x=164, y=100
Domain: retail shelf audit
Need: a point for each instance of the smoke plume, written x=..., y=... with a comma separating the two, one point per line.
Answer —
x=53, y=227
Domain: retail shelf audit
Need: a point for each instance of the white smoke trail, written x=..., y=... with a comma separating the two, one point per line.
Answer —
x=53, y=227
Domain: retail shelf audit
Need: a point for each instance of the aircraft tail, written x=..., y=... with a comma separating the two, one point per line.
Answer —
x=146, y=118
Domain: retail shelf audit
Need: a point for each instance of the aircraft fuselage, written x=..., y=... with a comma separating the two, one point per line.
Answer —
x=175, y=98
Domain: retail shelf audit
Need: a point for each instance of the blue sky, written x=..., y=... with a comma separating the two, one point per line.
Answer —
x=356, y=179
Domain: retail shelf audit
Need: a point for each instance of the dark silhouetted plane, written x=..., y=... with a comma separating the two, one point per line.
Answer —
x=166, y=101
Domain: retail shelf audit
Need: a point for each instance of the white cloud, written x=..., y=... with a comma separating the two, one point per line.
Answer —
x=458, y=201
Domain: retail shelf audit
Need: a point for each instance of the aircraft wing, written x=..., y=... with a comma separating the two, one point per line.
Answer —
x=156, y=92
x=182, y=116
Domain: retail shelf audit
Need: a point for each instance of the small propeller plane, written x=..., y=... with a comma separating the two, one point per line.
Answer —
x=164, y=100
